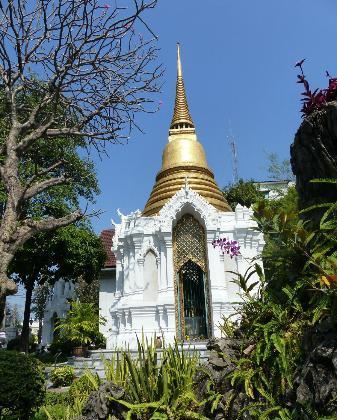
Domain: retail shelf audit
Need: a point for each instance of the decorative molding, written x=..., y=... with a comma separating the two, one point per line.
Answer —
x=148, y=245
x=186, y=195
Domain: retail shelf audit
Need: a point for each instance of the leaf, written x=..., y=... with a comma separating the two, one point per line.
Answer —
x=251, y=287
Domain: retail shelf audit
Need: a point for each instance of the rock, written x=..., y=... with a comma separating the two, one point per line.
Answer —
x=222, y=353
x=314, y=155
x=101, y=404
x=315, y=381
x=216, y=361
x=334, y=360
x=248, y=349
x=303, y=395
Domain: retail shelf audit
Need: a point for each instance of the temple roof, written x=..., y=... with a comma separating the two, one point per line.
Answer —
x=183, y=159
x=181, y=114
x=106, y=237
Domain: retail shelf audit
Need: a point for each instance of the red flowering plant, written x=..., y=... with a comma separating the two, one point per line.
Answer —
x=315, y=100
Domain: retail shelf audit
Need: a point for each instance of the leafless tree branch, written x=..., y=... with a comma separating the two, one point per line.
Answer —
x=96, y=63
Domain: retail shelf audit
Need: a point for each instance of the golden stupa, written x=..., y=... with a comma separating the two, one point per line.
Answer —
x=183, y=160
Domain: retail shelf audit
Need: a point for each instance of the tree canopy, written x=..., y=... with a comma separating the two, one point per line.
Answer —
x=96, y=70
x=242, y=192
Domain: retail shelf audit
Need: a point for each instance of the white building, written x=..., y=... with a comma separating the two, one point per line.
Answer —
x=272, y=190
x=169, y=279
x=57, y=307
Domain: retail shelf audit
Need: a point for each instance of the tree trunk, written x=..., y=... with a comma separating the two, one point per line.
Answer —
x=26, y=317
x=2, y=311
x=39, y=334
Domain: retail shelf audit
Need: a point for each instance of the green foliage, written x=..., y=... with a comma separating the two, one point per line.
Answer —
x=48, y=358
x=57, y=411
x=68, y=405
x=68, y=253
x=83, y=386
x=160, y=385
x=160, y=388
x=296, y=290
x=81, y=324
x=22, y=384
x=14, y=344
x=87, y=292
x=74, y=250
x=62, y=376
x=53, y=398
x=62, y=345
x=243, y=192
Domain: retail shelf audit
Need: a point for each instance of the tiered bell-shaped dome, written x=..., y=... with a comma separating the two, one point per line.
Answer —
x=183, y=159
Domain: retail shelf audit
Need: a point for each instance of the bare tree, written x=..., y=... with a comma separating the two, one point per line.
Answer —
x=90, y=69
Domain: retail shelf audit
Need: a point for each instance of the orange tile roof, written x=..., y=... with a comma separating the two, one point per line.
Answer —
x=106, y=237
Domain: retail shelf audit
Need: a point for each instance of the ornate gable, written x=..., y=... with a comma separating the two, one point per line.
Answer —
x=186, y=196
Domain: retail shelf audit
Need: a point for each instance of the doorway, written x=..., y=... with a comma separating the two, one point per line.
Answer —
x=193, y=302
x=193, y=318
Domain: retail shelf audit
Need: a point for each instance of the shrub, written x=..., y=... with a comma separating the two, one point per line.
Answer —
x=61, y=345
x=53, y=398
x=83, y=386
x=62, y=376
x=54, y=412
x=14, y=344
x=69, y=404
x=22, y=383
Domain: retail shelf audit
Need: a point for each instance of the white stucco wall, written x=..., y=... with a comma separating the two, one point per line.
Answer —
x=129, y=309
x=57, y=303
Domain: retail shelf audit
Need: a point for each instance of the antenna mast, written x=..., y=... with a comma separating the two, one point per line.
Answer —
x=234, y=153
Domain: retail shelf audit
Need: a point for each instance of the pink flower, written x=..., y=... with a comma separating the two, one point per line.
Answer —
x=227, y=247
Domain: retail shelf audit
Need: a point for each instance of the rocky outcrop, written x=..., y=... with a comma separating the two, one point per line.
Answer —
x=222, y=353
x=102, y=403
x=315, y=382
x=314, y=155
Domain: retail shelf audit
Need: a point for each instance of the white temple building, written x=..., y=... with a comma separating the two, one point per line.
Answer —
x=169, y=280
x=57, y=306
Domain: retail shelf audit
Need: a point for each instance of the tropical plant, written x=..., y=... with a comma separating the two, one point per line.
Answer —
x=160, y=387
x=317, y=99
x=81, y=323
x=295, y=292
x=83, y=386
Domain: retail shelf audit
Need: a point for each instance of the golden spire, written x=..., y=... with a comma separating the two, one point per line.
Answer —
x=181, y=116
x=183, y=158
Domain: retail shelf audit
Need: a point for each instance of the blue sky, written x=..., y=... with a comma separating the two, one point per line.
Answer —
x=238, y=61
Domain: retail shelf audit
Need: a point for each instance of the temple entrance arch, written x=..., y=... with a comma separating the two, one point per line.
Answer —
x=193, y=317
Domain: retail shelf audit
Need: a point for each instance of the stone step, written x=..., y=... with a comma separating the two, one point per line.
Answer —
x=95, y=359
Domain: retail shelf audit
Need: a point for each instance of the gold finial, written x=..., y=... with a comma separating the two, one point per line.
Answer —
x=181, y=116
x=179, y=70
